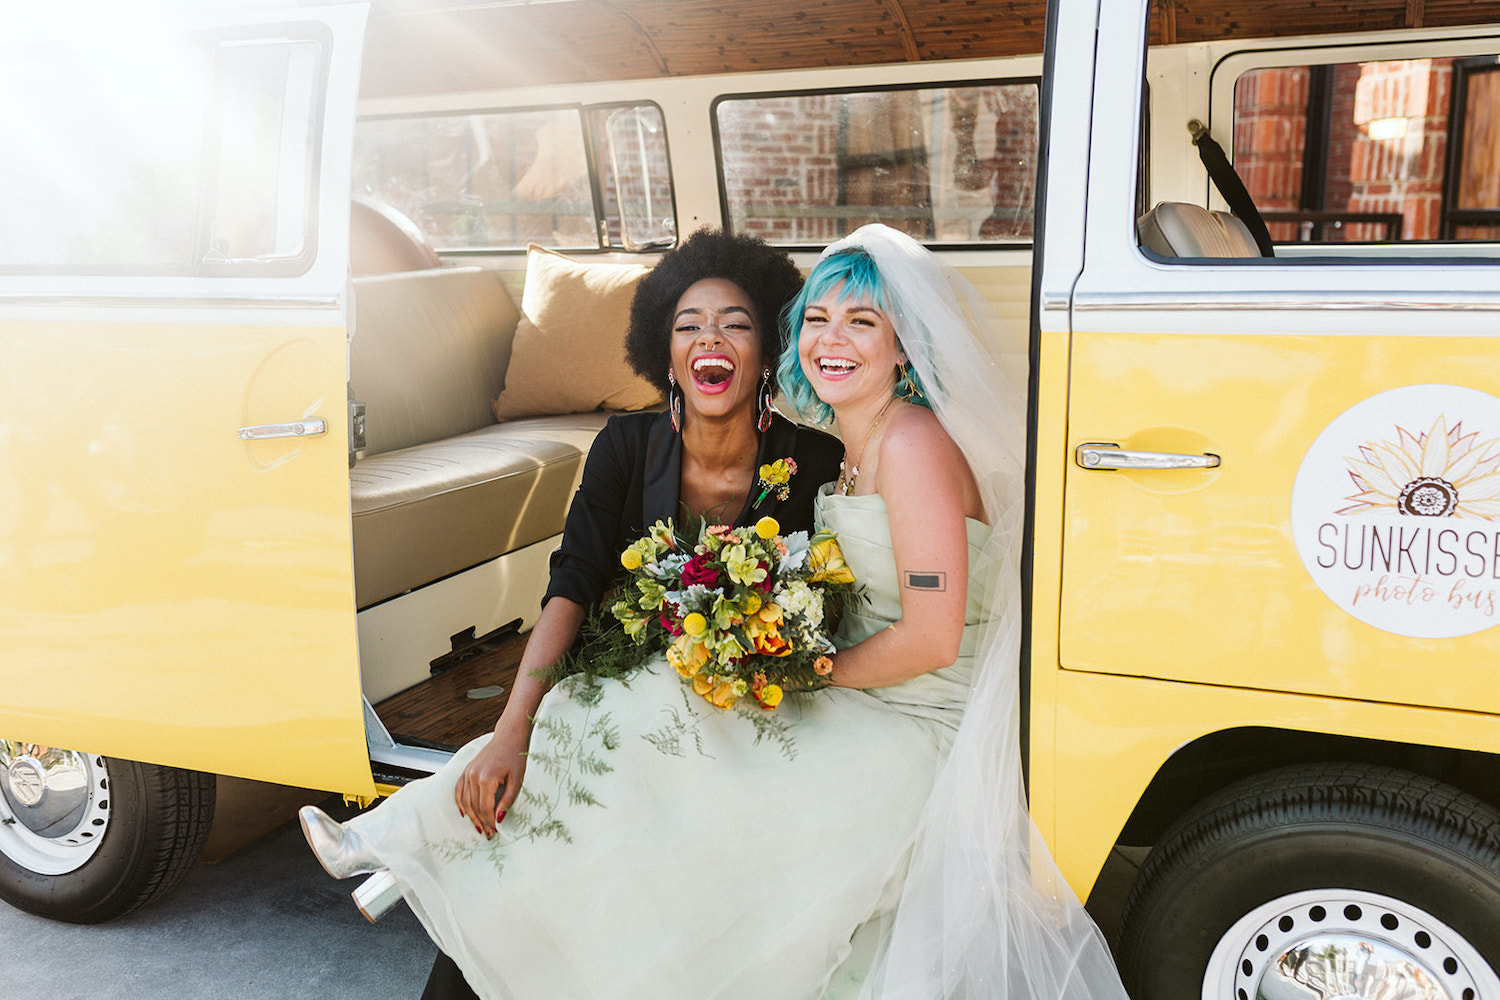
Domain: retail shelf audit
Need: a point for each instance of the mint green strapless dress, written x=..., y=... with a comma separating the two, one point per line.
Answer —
x=662, y=849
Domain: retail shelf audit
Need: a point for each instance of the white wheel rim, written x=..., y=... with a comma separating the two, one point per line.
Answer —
x=54, y=806
x=1346, y=944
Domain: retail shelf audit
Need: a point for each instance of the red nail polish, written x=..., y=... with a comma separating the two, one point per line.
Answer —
x=499, y=815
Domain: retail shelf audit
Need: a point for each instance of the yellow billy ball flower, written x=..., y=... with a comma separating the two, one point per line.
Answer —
x=694, y=624
x=631, y=559
x=767, y=527
x=770, y=696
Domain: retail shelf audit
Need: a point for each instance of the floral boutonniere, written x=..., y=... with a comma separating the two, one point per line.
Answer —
x=774, y=479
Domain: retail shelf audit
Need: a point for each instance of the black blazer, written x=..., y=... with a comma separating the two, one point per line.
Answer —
x=632, y=478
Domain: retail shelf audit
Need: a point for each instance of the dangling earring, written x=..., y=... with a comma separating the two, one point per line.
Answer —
x=763, y=398
x=906, y=383
x=674, y=402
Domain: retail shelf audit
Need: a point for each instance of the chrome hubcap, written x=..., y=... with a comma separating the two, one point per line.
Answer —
x=54, y=806
x=1343, y=944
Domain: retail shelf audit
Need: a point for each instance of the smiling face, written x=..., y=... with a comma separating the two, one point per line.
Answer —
x=848, y=351
x=716, y=355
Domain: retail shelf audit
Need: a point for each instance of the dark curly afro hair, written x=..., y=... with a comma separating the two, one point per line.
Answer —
x=766, y=274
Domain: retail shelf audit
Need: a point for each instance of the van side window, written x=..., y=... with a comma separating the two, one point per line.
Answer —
x=498, y=180
x=206, y=165
x=1388, y=151
x=948, y=165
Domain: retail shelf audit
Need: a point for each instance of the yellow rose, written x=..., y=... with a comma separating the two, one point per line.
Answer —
x=631, y=559
x=694, y=624
x=767, y=527
x=770, y=696
x=827, y=561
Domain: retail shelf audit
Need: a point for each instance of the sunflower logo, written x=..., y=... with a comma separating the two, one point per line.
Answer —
x=1442, y=473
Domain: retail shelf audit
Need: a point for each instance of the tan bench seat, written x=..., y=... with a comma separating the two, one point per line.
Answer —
x=425, y=512
x=440, y=487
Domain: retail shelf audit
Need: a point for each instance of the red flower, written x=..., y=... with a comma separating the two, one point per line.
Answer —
x=671, y=624
x=698, y=570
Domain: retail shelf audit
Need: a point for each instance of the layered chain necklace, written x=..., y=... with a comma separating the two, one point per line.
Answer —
x=847, y=479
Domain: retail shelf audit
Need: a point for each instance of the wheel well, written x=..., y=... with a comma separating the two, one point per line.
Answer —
x=1211, y=762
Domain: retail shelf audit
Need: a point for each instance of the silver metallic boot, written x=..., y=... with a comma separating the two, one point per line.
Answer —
x=343, y=854
x=341, y=851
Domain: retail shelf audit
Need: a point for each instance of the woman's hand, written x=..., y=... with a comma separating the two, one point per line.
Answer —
x=491, y=782
x=489, y=785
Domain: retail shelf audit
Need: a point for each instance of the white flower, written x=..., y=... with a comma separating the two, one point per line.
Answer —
x=801, y=601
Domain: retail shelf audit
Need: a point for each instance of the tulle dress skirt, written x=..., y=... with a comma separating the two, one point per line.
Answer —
x=662, y=848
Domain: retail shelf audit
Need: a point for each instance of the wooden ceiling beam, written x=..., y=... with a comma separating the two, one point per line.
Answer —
x=908, y=39
x=646, y=40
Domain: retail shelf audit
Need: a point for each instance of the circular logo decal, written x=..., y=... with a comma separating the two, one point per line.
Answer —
x=1396, y=511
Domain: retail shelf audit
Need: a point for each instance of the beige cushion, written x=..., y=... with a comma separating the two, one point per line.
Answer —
x=431, y=510
x=428, y=353
x=1177, y=229
x=569, y=353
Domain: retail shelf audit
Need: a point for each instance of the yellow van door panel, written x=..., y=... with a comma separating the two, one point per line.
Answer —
x=1194, y=574
x=170, y=592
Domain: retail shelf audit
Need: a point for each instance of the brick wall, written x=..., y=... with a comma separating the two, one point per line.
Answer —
x=976, y=179
x=1400, y=148
x=1387, y=142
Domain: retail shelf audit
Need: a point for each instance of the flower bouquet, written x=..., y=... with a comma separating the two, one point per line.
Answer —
x=737, y=610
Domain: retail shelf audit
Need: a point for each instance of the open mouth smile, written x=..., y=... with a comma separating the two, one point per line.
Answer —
x=713, y=372
x=836, y=368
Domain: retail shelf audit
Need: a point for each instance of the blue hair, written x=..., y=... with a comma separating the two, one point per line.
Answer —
x=856, y=271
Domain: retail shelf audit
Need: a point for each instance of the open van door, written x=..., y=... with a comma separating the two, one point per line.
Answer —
x=175, y=557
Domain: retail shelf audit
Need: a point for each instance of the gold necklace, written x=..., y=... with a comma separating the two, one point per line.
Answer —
x=846, y=485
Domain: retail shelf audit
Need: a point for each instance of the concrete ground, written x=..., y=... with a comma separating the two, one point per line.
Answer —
x=264, y=923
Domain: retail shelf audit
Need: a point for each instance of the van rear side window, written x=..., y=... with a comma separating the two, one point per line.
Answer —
x=569, y=178
x=948, y=165
x=1394, y=150
x=195, y=158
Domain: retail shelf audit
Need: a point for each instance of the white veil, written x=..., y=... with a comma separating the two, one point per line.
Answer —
x=984, y=912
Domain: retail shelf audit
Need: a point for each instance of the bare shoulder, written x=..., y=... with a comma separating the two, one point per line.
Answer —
x=921, y=464
x=916, y=435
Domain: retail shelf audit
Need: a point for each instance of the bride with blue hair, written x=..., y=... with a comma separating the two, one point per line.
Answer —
x=868, y=839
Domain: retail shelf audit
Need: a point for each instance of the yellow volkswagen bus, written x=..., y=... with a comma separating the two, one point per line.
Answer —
x=292, y=305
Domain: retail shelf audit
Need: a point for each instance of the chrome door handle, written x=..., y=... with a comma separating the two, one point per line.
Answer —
x=1112, y=456
x=297, y=428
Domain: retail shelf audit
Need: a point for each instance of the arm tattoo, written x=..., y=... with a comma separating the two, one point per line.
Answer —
x=926, y=581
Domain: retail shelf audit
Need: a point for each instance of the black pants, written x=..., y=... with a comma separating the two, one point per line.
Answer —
x=445, y=982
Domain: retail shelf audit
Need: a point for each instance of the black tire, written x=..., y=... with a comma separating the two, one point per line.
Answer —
x=1332, y=850
x=155, y=821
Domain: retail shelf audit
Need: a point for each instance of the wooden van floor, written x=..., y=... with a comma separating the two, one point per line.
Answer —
x=441, y=711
